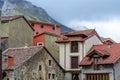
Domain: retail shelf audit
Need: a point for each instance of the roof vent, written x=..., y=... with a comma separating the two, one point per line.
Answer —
x=109, y=46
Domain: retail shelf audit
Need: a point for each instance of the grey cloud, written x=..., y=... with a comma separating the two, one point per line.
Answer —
x=66, y=10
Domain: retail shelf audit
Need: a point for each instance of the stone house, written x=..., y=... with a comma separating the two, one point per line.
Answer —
x=73, y=46
x=30, y=63
x=48, y=40
x=15, y=31
x=102, y=62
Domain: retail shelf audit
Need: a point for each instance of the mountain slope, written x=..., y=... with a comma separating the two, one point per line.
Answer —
x=32, y=12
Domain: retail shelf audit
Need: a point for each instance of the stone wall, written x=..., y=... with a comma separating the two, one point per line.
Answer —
x=31, y=70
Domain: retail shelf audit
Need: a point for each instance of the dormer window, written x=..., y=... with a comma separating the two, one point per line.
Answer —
x=74, y=46
x=95, y=61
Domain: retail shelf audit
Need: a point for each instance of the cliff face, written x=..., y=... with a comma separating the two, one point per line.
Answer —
x=30, y=11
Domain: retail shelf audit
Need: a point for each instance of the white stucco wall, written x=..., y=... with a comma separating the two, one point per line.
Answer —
x=65, y=53
x=117, y=70
x=94, y=40
x=89, y=70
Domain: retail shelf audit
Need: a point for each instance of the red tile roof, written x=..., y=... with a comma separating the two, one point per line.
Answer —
x=107, y=39
x=19, y=55
x=112, y=51
x=81, y=35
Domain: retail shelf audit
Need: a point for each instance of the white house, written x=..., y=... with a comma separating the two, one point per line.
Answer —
x=102, y=62
x=73, y=46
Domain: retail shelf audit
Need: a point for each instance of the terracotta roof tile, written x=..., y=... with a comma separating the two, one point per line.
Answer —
x=20, y=55
x=112, y=50
x=81, y=35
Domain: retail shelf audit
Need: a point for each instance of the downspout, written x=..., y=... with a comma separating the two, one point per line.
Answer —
x=64, y=56
x=113, y=71
x=82, y=49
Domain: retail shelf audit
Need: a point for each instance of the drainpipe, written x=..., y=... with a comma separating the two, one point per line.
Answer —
x=64, y=56
x=113, y=71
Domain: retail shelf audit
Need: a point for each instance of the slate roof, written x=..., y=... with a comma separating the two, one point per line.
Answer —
x=81, y=35
x=20, y=55
x=10, y=18
x=111, y=51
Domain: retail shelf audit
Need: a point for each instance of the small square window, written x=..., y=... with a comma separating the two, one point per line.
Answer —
x=50, y=62
x=42, y=26
x=37, y=32
x=53, y=27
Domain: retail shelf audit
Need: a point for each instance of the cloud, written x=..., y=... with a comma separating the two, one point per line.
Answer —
x=103, y=15
x=106, y=29
x=67, y=10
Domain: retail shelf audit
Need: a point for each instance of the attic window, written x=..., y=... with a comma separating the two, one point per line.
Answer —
x=36, y=32
x=42, y=26
x=53, y=27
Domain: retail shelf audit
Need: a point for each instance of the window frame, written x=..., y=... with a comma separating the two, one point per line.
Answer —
x=50, y=62
x=42, y=44
x=71, y=49
x=74, y=62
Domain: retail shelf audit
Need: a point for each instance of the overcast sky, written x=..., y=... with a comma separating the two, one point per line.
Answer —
x=102, y=15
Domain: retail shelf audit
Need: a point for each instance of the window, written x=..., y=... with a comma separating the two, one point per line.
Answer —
x=50, y=62
x=74, y=62
x=37, y=32
x=42, y=26
x=53, y=76
x=40, y=67
x=97, y=76
x=53, y=27
x=33, y=73
x=75, y=76
x=39, y=43
x=96, y=59
x=49, y=75
x=74, y=46
x=32, y=24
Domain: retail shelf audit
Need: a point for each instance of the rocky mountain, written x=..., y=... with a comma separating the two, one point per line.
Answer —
x=30, y=11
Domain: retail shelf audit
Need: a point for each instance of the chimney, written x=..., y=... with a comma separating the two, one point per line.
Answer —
x=10, y=62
